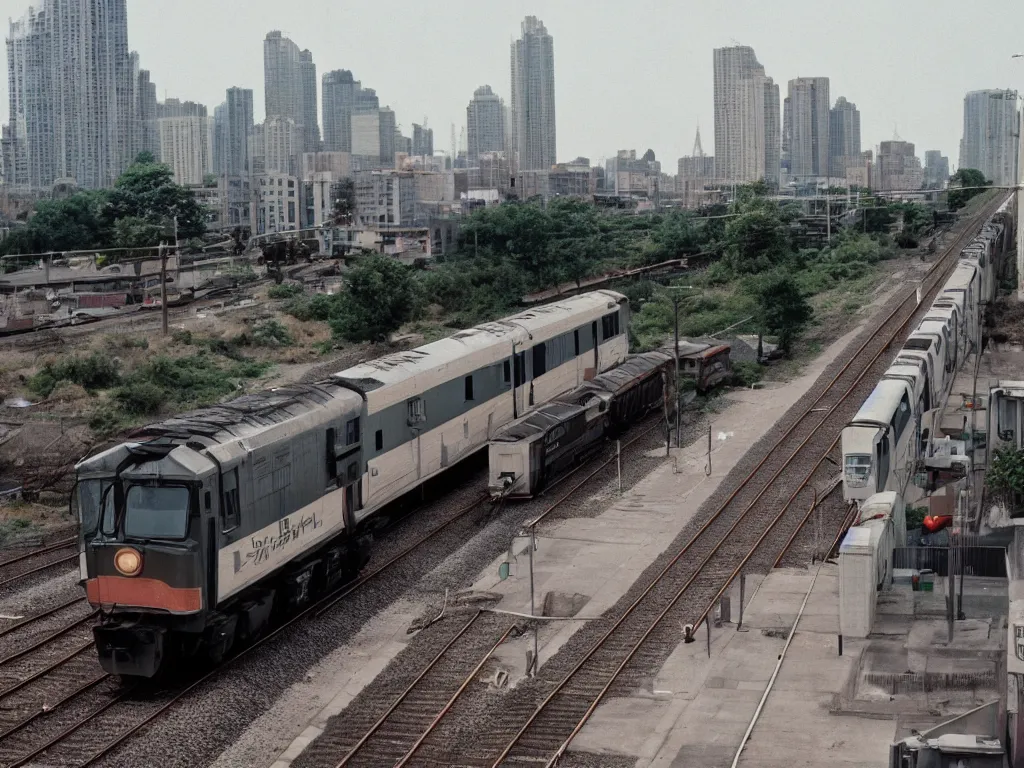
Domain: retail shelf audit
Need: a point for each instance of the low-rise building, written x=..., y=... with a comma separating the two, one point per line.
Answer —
x=277, y=207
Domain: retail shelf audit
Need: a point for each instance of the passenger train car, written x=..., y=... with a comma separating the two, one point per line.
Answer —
x=528, y=454
x=889, y=435
x=199, y=528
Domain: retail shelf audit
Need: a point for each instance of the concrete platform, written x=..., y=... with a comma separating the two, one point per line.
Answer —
x=823, y=708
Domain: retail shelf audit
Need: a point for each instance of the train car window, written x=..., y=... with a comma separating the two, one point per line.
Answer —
x=469, y=388
x=332, y=461
x=540, y=360
x=352, y=431
x=232, y=511
x=379, y=440
x=520, y=361
x=576, y=343
x=1006, y=415
x=506, y=371
x=609, y=326
x=417, y=410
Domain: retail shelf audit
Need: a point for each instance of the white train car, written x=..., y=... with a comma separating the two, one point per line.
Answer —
x=875, y=447
x=430, y=407
x=879, y=444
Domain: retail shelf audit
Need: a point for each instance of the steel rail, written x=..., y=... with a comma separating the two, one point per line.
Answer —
x=39, y=644
x=36, y=570
x=796, y=532
x=404, y=694
x=938, y=268
x=346, y=591
x=316, y=609
x=63, y=544
x=32, y=619
x=121, y=696
x=36, y=675
x=455, y=696
x=50, y=708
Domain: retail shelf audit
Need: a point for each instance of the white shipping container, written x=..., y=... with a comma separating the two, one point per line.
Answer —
x=865, y=568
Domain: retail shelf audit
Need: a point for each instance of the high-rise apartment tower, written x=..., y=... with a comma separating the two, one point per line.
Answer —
x=533, y=97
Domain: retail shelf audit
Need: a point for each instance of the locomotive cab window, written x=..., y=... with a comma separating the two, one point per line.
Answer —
x=469, y=388
x=378, y=440
x=156, y=512
x=506, y=372
x=232, y=511
x=576, y=343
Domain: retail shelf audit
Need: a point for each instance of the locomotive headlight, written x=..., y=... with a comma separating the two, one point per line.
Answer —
x=128, y=561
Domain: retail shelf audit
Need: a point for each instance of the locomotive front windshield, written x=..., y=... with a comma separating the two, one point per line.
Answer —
x=156, y=512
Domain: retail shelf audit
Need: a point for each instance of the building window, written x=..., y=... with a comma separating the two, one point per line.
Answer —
x=469, y=388
x=378, y=440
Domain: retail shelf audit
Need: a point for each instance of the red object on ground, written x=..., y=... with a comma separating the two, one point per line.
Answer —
x=937, y=523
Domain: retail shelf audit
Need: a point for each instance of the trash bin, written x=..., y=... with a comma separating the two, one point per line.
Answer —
x=927, y=580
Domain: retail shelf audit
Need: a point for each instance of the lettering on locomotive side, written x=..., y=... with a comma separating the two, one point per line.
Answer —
x=262, y=547
x=253, y=557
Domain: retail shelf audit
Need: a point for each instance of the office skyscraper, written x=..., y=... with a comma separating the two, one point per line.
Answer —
x=339, y=96
x=310, y=121
x=747, y=119
x=238, y=135
x=373, y=138
x=533, y=97
x=990, y=137
x=809, y=115
x=485, y=124
x=844, y=136
x=290, y=82
x=422, y=140
x=71, y=93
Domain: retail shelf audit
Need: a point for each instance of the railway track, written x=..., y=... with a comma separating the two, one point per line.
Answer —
x=75, y=715
x=761, y=516
x=395, y=736
x=22, y=567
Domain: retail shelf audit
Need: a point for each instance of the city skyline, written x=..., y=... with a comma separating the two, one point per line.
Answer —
x=929, y=114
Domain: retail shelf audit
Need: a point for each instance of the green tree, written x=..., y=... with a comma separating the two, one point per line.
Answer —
x=381, y=297
x=136, y=232
x=782, y=310
x=147, y=191
x=757, y=240
x=964, y=185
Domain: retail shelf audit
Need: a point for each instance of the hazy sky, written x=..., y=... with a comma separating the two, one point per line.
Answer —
x=628, y=75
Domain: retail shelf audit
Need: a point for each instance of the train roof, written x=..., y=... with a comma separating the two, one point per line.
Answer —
x=398, y=367
x=618, y=378
x=250, y=415
x=883, y=401
x=537, y=423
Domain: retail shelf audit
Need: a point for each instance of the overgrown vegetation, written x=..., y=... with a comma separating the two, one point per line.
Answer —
x=1005, y=477
x=284, y=291
x=965, y=184
x=138, y=212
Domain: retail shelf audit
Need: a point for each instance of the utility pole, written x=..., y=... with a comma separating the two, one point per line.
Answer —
x=163, y=287
x=675, y=350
